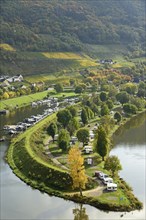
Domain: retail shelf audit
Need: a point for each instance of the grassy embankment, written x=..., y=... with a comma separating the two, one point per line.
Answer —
x=39, y=171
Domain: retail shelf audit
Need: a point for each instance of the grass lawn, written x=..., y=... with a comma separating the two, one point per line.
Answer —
x=116, y=197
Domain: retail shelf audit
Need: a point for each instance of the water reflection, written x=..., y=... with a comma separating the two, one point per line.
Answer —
x=80, y=213
x=18, y=115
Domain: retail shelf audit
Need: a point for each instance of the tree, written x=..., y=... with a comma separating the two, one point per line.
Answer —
x=73, y=110
x=79, y=89
x=52, y=130
x=58, y=87
x=96, y=99
x=109, y=104
x=112, y=164
x=72, y=126
x=5, y=95
x=102, y=142
x=130, y=108
x=94, y=108
x=117, y=116
x=83, y=135
x=103, y=96
x=90, y=113
x=107, y=122
x=77, y=170
x=104, y=110
x=84, y=116
x=122, y=97
x=63, y=139
x=64, y=116
x=130, y=88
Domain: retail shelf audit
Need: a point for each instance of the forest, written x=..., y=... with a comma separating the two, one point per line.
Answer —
x=53, y=25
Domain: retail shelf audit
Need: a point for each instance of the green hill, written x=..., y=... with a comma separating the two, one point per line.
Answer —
x=68, y=26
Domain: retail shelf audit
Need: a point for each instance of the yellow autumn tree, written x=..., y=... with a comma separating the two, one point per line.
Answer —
x=77, y=170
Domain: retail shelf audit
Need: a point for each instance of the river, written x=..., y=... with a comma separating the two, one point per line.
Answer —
x=21, y=202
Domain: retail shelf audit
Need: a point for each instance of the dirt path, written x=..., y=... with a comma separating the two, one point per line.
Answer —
x=92, y=192
x=47, y=151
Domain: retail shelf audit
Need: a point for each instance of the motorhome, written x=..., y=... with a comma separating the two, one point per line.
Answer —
x=107, y=180
x=102, y=176
x=56, y=137
x=88, y=149
x=111, y=187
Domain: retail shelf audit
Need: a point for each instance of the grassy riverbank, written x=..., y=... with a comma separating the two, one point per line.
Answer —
x=38, y=170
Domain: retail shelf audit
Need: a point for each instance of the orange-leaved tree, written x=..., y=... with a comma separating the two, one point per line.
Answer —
x=77, y=170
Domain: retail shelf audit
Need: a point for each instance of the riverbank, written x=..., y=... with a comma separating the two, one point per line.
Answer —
x=40, y=172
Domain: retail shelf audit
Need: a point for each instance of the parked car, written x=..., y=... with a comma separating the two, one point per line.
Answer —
x=111, y=187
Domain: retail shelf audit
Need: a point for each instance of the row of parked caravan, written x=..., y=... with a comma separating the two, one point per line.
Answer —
x=106, y=180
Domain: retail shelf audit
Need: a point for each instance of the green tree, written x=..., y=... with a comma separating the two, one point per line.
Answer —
x=96, y=99
x=130, y=88
x=73, y=110
x=63, y=139
x=109, y=104
x=103, y=96
x=107, y=122
x=76, y=169
x=102, y=142
x=90, y=113
x=112, y=164
x=83, y=135
x=122, y=97
x=117, y=116
x=72, y=126
x=58, y=87
x=79, y=89
x=52, y=130
x=94, y=108
x=129, y=108
x=64, y=116
x=84, y=116
x=104, y=110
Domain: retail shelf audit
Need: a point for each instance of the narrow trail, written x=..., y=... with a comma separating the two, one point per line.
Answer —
x=47, y=152
x=92, y=192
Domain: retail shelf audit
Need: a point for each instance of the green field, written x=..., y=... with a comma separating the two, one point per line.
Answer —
x=23, y=100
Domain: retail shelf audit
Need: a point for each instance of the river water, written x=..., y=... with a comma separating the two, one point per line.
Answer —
x=20, y=202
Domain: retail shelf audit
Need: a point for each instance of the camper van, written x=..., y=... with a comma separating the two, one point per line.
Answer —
x=102, y=176
x=107, y=180
x=111, y=187
x=56, y=137
x=88, y=149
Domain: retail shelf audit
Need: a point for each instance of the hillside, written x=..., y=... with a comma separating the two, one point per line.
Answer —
x=65, y=26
